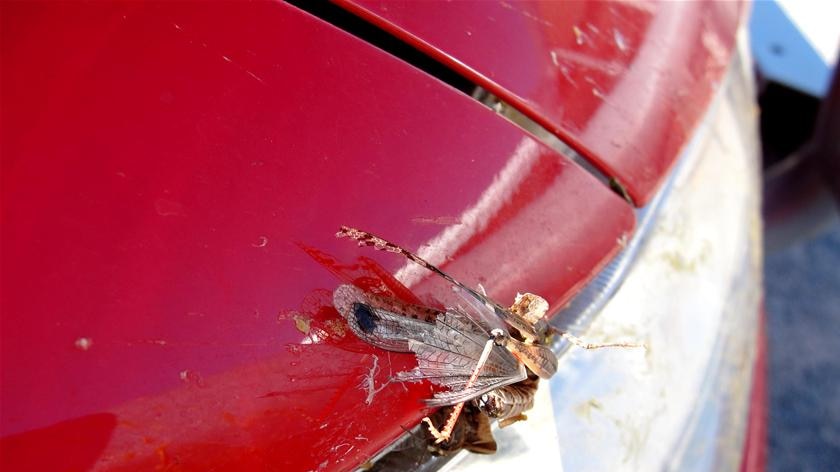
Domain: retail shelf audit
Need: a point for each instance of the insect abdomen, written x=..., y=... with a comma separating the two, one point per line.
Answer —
x=509, y=401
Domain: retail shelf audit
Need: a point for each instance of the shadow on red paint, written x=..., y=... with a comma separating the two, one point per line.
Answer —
x=72, y=445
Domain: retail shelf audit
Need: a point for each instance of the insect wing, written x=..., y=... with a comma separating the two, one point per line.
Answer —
x=529, y=330
x=448, y=355
x=485, y=312
x=539, y=358
x=377, y=326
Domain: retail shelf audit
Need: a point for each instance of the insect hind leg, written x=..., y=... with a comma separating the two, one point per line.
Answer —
x=446, y=432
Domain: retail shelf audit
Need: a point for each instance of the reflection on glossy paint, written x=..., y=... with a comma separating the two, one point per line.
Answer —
x=475, y=219
x=522, y=195
x=150, y=205
x=670, y=54
x=38, y=449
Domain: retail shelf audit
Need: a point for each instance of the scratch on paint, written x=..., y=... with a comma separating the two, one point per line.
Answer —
x=165, y=207
x=579, y=36
x=347, y=446
x=440, y=220
x=255, y=77
x=568, y=76
x=224, y=57
x=620, y=42
x=526, y=14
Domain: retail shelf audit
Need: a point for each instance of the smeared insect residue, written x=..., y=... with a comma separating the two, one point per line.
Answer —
x=302, y=323
x=684, y=261
x=336, y=328
x=585, y=409
x=368, y=383
x=191, y=377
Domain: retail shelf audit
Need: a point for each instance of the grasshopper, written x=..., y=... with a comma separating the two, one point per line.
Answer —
x=494, y=358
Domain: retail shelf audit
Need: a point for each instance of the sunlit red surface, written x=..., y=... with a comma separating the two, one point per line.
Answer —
x=172, y=179
x=626, y=82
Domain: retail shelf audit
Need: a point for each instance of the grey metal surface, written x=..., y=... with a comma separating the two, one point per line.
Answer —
x=803, y=312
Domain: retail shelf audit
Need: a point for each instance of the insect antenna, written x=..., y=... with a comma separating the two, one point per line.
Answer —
x=367, y=239
x=585, y=345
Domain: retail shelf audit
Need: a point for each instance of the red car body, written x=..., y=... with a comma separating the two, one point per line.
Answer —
x=173, y=176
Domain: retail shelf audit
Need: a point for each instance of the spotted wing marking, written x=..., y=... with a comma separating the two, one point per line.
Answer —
x=377, y=326
x=533, y=331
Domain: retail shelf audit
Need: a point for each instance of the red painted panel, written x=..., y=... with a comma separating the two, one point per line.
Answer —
x=624, y=83
x=755, y=444
x=172, y=178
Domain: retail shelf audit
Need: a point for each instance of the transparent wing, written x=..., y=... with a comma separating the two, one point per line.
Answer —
x=531, y=331
x=447, y=350
x=478, y=389
x=376, y=326
x=448, y=355
x=537, y=357
x=484, y=312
